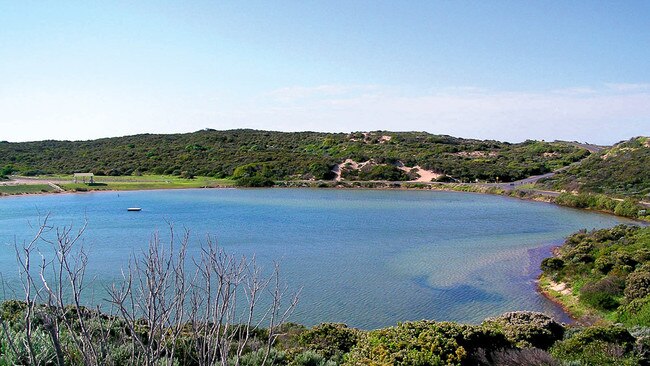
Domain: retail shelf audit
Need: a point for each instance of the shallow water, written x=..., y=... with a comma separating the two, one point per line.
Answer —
x=363, y=257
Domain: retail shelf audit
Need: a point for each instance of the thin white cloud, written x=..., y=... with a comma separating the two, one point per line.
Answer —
x=601, y=115
x=575, y=91
x=604, y=115
x=628, y=87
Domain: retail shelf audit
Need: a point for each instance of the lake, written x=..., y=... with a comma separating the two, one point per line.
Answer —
x=368, y=258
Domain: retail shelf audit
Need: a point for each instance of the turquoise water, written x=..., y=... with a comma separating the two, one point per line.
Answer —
x=363, y=257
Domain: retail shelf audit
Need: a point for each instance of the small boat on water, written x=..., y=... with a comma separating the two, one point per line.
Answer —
x=134, y=209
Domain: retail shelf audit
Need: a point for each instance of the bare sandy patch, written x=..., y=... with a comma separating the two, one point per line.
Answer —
x=425, y=175
x=560, y=287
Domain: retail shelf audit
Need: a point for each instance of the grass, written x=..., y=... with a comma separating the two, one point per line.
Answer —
x=130, y=178
x=570, y=302
x=120, y=183
x=150, y=182
x=25, y=189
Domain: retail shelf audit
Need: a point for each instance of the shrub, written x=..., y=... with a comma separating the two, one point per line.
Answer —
x=256, y=181
x=598, y=345
x=627, y=208
x=552, y=264
x=636, y=312
x=187, y=175
x=598, y=300
x=329, y=339
x=255, y=358
x=604, y=264
x=637, y=285
x=425, y=343
x=609, y=334
x=311, y=358
x=527, y=328
x=602, y=294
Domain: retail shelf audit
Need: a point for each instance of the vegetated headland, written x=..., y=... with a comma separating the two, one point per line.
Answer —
x=610, y=179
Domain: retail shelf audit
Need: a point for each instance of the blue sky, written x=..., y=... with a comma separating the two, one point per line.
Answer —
x=506, y=70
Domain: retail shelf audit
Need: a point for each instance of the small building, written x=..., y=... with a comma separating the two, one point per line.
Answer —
x=84, y=176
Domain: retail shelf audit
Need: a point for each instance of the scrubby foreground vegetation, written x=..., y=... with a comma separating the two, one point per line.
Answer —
x=605, y=274
x=516, y=338
x=622, y=170
x=256, y=157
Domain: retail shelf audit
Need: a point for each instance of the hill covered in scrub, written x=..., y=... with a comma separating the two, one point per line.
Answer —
x=622, y=170
x=285, y=156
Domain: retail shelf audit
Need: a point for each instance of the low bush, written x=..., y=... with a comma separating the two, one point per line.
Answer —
x=311, y=358
x=426, y=343
x=552, y=264
x=527, y=328
x=256, y=181
x=598, y=345
x=637, y=285
x=329, y=339
x=636, y=312
x=602, y=294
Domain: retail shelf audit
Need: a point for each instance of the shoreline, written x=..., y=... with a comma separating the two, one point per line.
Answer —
x=356, y=185
x=550, y=297
x=536, y=256
x=551, y=247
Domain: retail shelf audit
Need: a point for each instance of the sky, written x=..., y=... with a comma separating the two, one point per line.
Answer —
x=504, y=70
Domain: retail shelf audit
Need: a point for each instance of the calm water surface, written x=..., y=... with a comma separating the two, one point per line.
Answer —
x=365, y=258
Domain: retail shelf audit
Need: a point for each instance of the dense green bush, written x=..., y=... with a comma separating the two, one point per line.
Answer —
x=382, y=172
x=527, y=328
x=637, y=285
x=311, y=358
x=598, y=345
x=602, y=294
x=552, y=264
x=255, y=358
x=636, y=312
x=329, y=339
x=256, y=181
x=627, y=208
x=426, y=343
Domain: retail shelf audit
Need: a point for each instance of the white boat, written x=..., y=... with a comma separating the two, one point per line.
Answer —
x=134, y=209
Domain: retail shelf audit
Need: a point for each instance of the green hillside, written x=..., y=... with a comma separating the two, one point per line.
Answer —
x=282, y=156
x=623, y=170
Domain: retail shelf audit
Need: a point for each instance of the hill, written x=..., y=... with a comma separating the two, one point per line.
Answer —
x=297, y=155
x=622, y=170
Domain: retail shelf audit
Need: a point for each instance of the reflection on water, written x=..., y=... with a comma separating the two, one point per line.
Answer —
x=366, y=258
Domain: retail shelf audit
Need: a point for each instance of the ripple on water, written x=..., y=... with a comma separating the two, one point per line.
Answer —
x=366, y=258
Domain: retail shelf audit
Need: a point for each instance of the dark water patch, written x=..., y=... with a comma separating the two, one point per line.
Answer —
x=366, y=258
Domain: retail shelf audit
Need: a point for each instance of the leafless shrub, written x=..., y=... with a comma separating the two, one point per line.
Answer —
x=219, y=304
